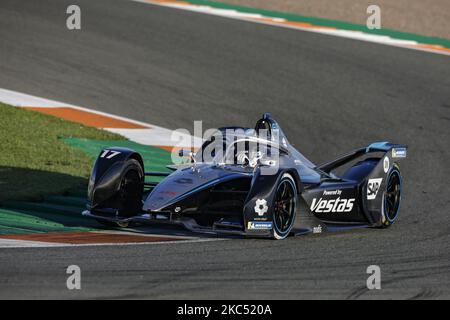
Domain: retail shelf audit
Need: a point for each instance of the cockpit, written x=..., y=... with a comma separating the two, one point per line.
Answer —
x=243, y=146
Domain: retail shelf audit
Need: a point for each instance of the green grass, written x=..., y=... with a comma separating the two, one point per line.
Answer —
x=35, y=161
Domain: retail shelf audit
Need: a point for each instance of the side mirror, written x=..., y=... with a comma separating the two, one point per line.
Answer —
x=187, y=154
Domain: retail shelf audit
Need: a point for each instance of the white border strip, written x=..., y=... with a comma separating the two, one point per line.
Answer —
x=152, y=136
x=14, y=244
x=278, y=22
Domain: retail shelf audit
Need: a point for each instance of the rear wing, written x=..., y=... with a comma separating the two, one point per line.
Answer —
x=398, y=151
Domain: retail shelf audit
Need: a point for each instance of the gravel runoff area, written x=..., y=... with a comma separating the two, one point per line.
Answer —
x=424, y=17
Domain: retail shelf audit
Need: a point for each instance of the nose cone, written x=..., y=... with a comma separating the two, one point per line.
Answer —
x=185, y=182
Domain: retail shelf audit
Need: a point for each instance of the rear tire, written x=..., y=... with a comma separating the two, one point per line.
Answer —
x=284, y=207
x=392, y=197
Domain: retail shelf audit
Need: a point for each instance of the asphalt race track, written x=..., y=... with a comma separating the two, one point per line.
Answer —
x=171, y=67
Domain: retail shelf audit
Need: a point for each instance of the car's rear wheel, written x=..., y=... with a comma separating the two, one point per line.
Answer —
x=392, y=197
x=284, y=207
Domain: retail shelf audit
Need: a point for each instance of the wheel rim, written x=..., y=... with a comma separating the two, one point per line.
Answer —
x=392, y=196
x=284, y=206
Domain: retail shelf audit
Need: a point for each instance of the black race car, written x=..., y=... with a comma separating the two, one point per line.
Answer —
x=251, y=182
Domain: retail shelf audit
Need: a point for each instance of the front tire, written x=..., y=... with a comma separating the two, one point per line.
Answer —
x=131, y=189
x=127, y=201
x=284, y=207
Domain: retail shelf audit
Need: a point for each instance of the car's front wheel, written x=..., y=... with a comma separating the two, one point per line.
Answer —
x=131, y=189
x=284, y=207
x=128, y=199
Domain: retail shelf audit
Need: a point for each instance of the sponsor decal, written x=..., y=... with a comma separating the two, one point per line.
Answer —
x=373, y=185
x=261, y=207
x=109, y=154
x=399, y=153
x=259, y=225
x=317, y=229
x=332, y=192
x=386, y=164
x=334, y=205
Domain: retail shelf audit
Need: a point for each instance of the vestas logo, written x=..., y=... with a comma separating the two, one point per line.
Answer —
x=334, y=205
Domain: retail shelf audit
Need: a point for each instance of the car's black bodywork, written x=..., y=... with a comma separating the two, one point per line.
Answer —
x=240, y=199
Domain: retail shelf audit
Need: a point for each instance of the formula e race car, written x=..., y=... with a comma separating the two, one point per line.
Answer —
x=250, y=182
